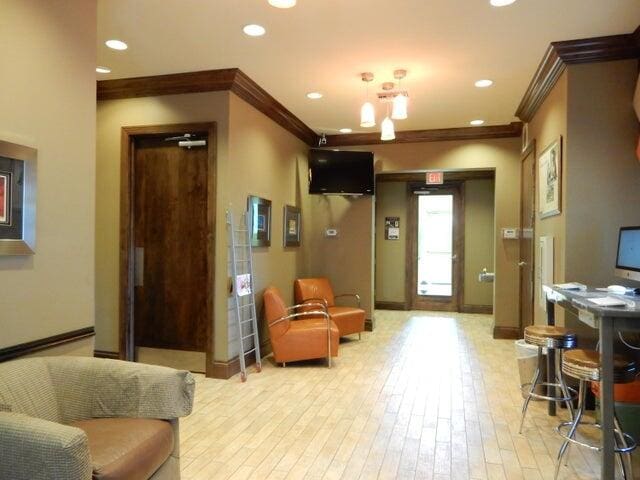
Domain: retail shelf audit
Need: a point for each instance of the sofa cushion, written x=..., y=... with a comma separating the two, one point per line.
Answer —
x=348, y=319
x=127, y=448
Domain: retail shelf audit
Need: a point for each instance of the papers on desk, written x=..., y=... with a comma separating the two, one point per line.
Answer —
x=571, y=286
x=608, y=302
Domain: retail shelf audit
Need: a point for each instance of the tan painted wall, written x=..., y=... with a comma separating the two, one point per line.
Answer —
x=479, y=240
x=267, y=161
x=47, y=93
x=348, y=258
x=255, y=156
x=391, y=201
x=111, y=117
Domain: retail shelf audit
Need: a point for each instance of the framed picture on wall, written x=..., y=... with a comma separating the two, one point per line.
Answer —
x=17, y=199
x=260, y=220
x=291, y=225
x=550, y=180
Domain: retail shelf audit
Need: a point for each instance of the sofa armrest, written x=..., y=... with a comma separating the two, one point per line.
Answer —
x=36, y=449
x=116, y=388
x=353, y=295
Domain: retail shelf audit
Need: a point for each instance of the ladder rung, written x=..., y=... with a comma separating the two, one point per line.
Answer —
x=246, y=321
x=242, y=245
x=250, y=351
x=246, y=305
x=241, y=231
x=248, y=336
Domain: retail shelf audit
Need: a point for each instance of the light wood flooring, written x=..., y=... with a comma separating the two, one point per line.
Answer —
x=424, y=396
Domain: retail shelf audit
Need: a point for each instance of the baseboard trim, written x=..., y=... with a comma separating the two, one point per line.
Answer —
x=506, y=333
x=226, y=370
x=391, y=306
x=9, y=353
x=106, y=354
x=368, y=325
x=477, y=309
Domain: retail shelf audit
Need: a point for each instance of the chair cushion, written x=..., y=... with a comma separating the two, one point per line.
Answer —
x=306, y=288
x=306, y=339
x=127, y=448
x=348, y=319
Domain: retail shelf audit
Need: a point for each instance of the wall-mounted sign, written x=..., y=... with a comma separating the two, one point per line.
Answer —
x=392, y=228
x=435, y=178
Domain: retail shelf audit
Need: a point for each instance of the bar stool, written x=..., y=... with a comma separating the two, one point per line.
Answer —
x=556, y=340
x=584, y=365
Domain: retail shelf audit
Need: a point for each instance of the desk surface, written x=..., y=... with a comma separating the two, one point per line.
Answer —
x=579, y=300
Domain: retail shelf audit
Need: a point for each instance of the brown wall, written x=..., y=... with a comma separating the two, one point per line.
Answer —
x=47, y=93
x=391, y=201
x=479, y=240
x=348, y=258
x=255, y=156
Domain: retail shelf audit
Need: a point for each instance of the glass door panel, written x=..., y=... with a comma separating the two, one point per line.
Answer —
x=435, y=245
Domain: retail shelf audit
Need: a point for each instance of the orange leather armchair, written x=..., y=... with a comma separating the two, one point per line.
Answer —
x=301, y=335
x=348, y=319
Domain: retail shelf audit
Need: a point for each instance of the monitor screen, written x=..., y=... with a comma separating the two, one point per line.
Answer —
x=628, y=260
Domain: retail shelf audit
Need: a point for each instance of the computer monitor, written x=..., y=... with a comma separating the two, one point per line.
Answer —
x=628, y=259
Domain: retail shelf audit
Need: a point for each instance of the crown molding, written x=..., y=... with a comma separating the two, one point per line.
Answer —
x=560, y=54
x=228, y=79
x=514, y=129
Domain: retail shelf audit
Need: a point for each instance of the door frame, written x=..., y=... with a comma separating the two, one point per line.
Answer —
x=530, y=149
x=127, y=256
x=458, y=245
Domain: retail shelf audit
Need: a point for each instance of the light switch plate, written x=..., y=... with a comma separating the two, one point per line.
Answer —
x=510, y=233
x=331, y=232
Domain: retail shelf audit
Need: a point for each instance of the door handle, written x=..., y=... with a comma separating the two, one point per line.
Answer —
x=454, y=257
x=522, y=264
x=138, y=267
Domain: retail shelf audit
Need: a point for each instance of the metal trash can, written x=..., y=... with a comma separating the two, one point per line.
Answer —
x=527, y=356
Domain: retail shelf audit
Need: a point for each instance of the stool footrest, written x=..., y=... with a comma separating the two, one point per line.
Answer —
x=631, y=443
x=573, y=394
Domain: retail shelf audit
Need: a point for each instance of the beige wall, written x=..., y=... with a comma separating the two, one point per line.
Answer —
x=548, y=125
x=391, y=201
x=479, y=240
x=348, y=258
x=47, y=93
x=112, y=115
x=267, y=161
x=255, y=156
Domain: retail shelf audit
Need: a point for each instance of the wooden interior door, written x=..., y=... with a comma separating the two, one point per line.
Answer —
x=436, y=273
x=171, y=240
x=527, y=237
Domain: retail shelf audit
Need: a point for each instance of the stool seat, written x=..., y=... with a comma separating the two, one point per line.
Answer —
x=550, y=336
x=585, y=365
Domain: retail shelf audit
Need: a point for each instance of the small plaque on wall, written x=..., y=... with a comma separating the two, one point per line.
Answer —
x=392, y=228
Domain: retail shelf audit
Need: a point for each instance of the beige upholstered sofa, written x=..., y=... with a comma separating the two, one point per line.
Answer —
x=71, y=418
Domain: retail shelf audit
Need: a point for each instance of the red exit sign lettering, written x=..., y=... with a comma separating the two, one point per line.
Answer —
x=435, y=178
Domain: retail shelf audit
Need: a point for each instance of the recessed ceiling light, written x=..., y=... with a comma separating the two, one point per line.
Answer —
x=501, y=3
x=254, y=30
x=484, y=83
x=345, y=130
x=314, y=95
x=103, y=70
x=282, y=3
x=116, y=44
x=475, y=123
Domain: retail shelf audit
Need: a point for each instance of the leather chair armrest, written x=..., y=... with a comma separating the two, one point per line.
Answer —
x=353, y=295
x=36, y=449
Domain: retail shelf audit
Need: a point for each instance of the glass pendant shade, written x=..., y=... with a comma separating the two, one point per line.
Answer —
x=367, y=115
x=388, y=132
x=399, y=111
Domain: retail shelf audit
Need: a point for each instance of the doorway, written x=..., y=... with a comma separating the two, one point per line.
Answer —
x=527, y=224
x=436, y=249
x=167, y=245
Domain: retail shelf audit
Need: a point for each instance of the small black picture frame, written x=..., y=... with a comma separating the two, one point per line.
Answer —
x=291, y=226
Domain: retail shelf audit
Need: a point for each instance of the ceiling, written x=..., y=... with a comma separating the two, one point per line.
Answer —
x=323, y=45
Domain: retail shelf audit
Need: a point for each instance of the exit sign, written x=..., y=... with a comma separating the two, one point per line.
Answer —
x=435, y=178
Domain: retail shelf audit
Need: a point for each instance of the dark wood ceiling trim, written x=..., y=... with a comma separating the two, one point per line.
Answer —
x=561, y=54
x=255, y=95
x=232, y=79
x=513, y=129
x=172, y=84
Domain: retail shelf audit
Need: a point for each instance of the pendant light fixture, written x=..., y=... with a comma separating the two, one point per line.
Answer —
x=388, y=131
x=367, y=112
x=400, y=101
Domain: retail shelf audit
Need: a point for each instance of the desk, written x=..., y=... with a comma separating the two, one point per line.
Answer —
x=608, y=321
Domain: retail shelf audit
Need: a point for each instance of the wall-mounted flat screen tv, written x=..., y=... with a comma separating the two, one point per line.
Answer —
x=341, y=172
